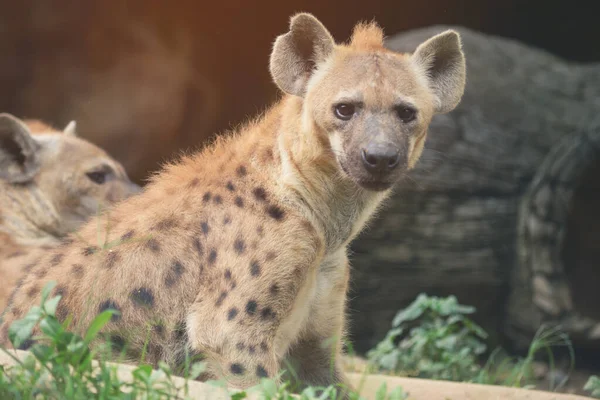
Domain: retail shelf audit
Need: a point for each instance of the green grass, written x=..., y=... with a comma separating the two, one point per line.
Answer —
x=64, y=365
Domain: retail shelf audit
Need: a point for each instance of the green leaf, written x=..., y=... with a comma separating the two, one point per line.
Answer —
x=46, y=290
x=21, y=330
x=239, y=396
x=397, y=394
x=381, y=392
x=97, y=324
x=197, y=369
x=51, y=327
x=50, y=305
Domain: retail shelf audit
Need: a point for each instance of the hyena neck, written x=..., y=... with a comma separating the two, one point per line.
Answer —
x=334, y=203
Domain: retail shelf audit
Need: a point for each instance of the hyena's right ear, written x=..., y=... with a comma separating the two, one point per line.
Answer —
x=18, y=151
x=296, y=53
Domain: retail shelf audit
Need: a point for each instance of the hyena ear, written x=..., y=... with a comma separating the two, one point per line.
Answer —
x=18, y=150
x=71, y=129
x=296, y=53
x=442, y=60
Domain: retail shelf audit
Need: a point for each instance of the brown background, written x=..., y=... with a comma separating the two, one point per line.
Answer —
x=145, y=78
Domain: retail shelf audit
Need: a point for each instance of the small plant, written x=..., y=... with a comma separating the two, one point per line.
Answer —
x=593, y=386
x=432, y=338
x=61, y=366
x=518, y=371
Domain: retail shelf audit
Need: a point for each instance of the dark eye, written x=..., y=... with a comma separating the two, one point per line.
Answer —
x=344, y=111
x=98, y=177
x=406, y=114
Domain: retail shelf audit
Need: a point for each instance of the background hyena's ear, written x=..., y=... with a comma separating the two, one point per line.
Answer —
x=442, y=59
x=70, y=129
x=296, y=53
x=18, y=151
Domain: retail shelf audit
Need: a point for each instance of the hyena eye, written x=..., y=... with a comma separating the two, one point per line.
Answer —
x=406, y=114
x=98, y=177
x=344, y=111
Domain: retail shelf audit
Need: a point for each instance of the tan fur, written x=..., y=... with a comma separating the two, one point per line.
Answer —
x=239, y=252
x=58, y=197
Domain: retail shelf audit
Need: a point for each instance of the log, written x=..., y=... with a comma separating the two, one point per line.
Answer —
x=484, y=213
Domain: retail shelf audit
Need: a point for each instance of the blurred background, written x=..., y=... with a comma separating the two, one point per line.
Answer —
x=502, y=211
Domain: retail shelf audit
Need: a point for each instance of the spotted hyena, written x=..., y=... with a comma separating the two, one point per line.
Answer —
x=238, y=252
x=51, y=182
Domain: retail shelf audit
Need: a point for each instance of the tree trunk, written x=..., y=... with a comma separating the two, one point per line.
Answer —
x=455, y=226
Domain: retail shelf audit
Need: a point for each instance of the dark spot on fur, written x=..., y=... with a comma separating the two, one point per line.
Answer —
x=212, y=256
x=166, y=224
x=127, y=236
x=218, y=199
x=41, y=272
x=274, y=289
x=198, y=247
x=236, y=369
x=267, y=313
x=56, y=259
x=117, y=343
x=88, y=251
x=260, y=230
x=241, y=171
x=251, y=307
x=153, y=245
x=142, y=297
x=29, y=267
x=194, y=182
x=180, y=333
x=239, y=202
x=233, y=312
x=77, y=270
x=264, y=347
x=205, y=228
x=261, y=372
x=240, y=346
x=33, y=291
x=26, y=345
x=61, y=311
x=159, y=329
x=230, y=186
x=60, y=291
x=110, y=305
x=221, y=299
x=66, y=242
x=268, y=155
x=111, y=258
x=254, y=268
x=228, y=274
x=275, y=212
x=259, y=194
x=16, y=254
x=239, y=246
x=174, y=273
x=206, y=197
x=227, y=220
x=270, y=256
x=251, y=349
x=233, y=285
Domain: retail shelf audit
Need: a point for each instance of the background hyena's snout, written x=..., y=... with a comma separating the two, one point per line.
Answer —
x=380, y=158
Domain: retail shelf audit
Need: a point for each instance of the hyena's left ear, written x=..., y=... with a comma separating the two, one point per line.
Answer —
x=19, y=161
x=442, y=60
x=71, y=129
x=296, y=53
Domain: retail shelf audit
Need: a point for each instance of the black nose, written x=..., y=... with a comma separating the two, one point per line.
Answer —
x=380, y=158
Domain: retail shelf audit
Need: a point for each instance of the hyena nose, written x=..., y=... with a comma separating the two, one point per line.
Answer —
x=380, y=158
